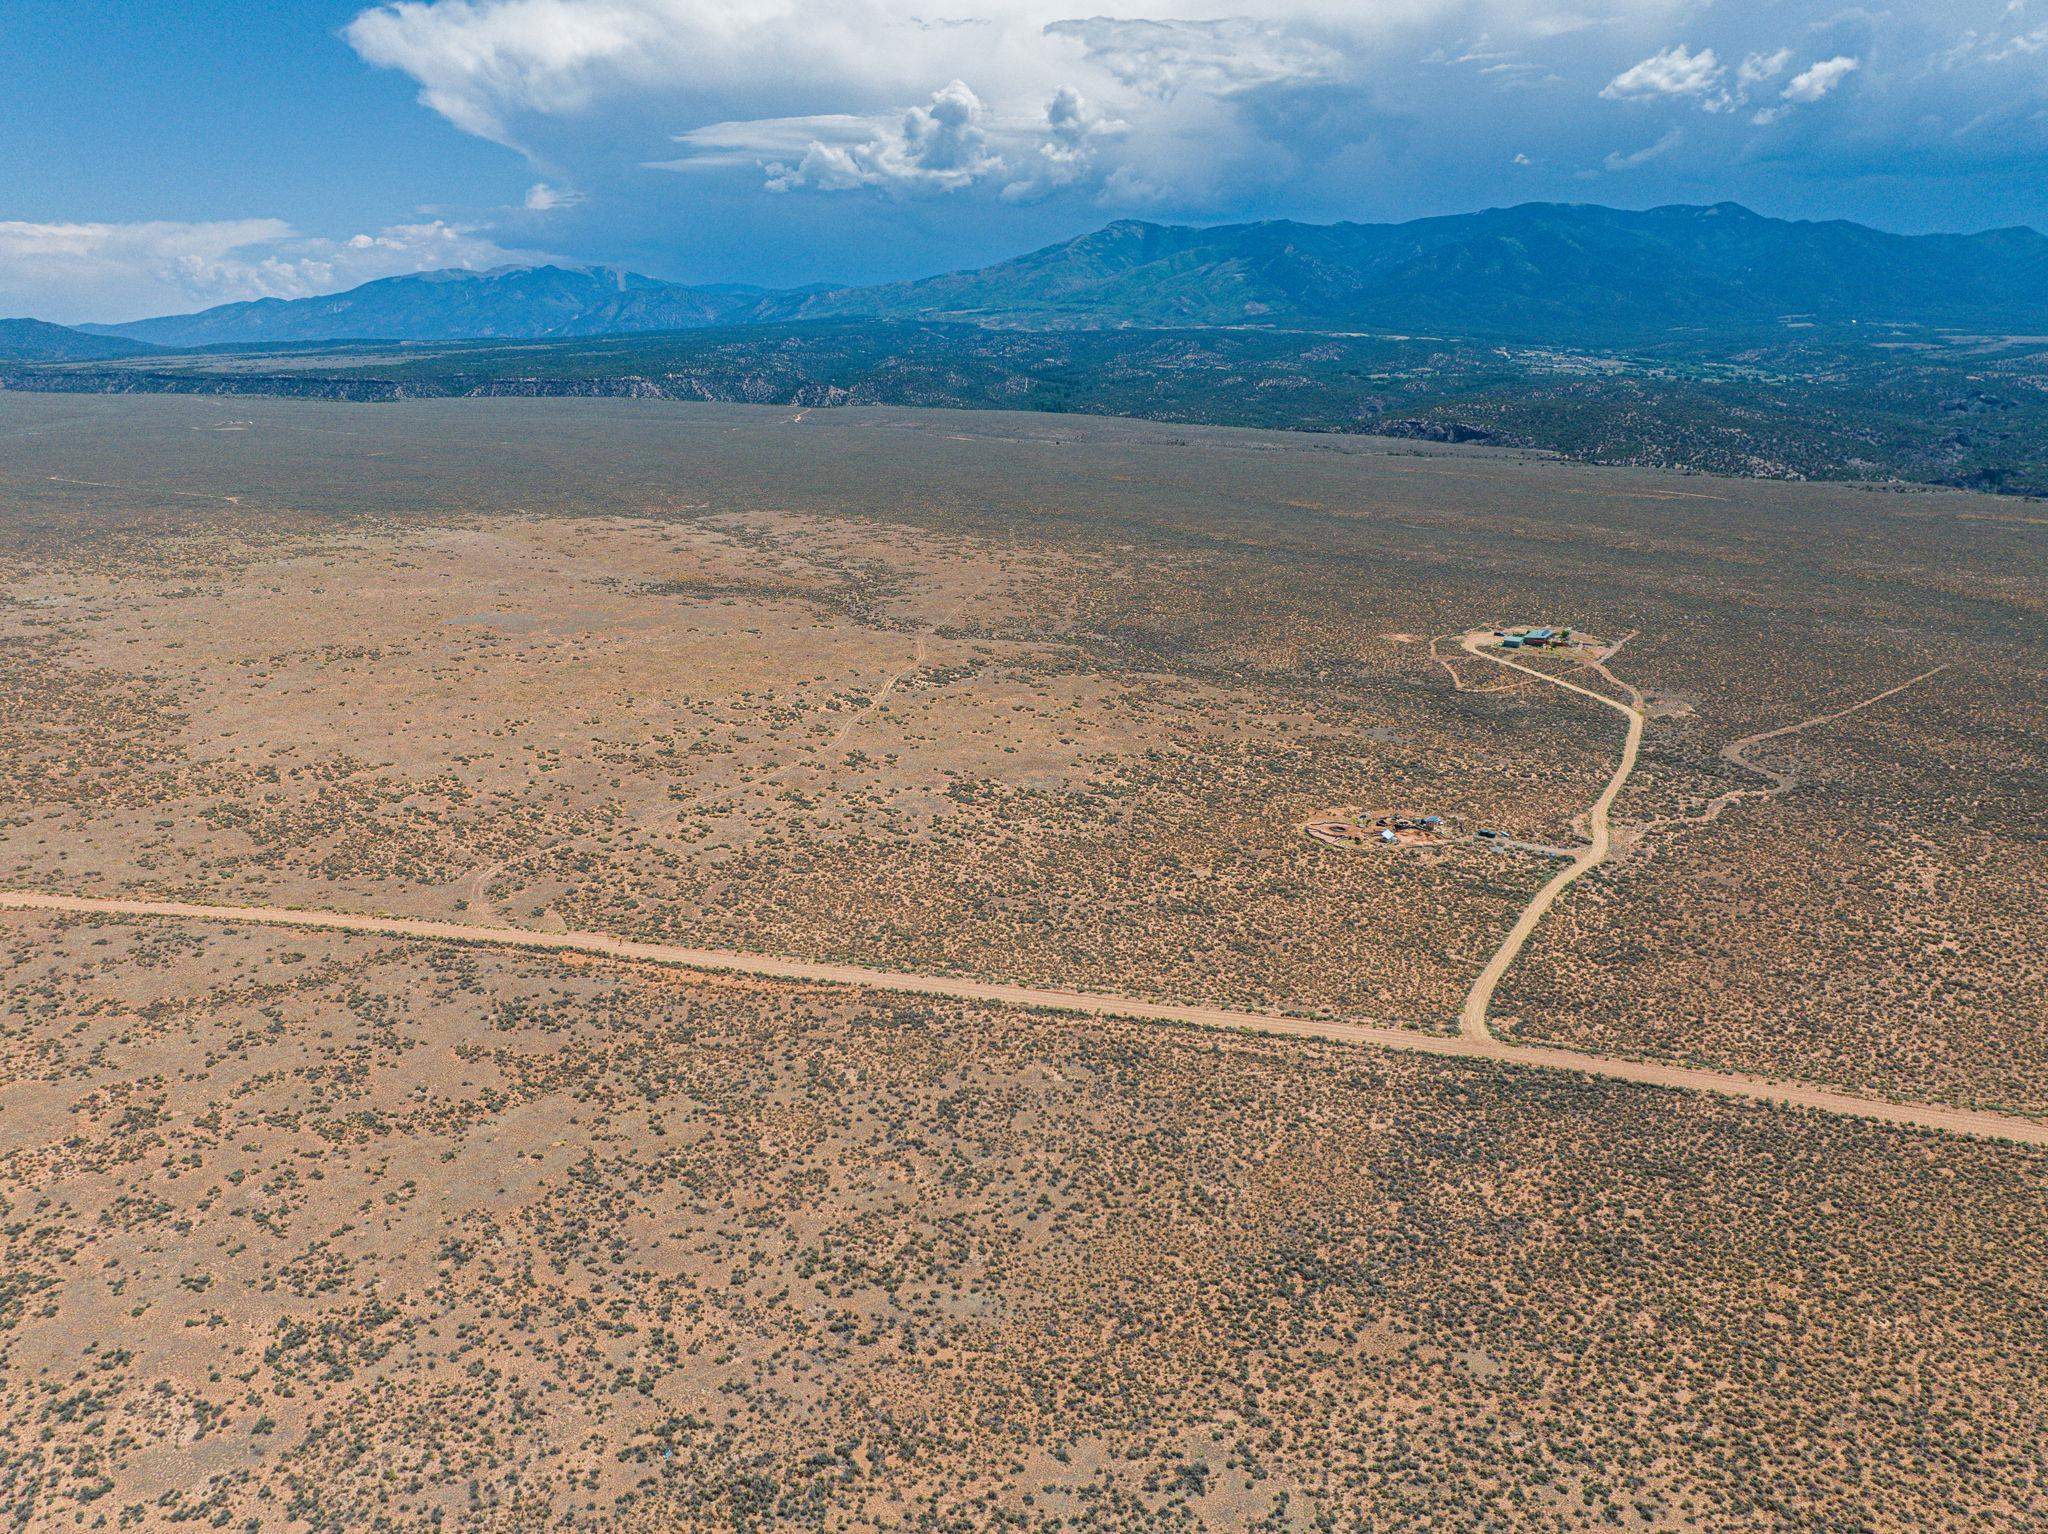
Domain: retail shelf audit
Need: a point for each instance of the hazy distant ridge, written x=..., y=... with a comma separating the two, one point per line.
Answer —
x=1536, y=273
x=509, y=303
x=38, y=341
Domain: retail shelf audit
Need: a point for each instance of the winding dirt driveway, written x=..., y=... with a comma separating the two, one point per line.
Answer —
x=1473, y=1016
x=1737, y=751
x=1472, y=1023
x=1958, y=1121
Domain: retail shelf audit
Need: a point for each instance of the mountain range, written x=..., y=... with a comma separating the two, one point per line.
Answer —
x=1541, y=273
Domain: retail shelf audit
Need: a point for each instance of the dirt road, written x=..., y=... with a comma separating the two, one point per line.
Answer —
x=881, y=694
x=1737, y=751
x=1472, y=1023
x=1958, y=1121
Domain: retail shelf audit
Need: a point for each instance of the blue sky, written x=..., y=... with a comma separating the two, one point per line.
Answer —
x=163, y=157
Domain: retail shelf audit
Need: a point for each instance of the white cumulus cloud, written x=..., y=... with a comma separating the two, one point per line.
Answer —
x=120, y=271
x=1761, y=67
x=1073, y=131
x=544, y=198
x=1163, y=58
x=1675, y=71
x=940, y=146
x=1817, y=80
x=1636, y=159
